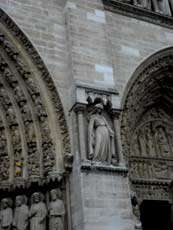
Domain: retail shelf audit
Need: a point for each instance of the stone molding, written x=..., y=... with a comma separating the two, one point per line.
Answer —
x=125, y=9
x=88, y=166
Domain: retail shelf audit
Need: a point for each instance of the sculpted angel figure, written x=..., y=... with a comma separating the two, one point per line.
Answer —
x=37, y=213
x=21, y=212
x=6, y=215
x=56, y=211
x=100, y=137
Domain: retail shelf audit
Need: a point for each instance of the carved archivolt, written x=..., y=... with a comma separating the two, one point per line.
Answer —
x=33, y=131
x=147, y=127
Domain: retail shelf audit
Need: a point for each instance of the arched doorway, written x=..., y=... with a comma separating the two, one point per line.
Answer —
x=35, y=149
x=147, y=134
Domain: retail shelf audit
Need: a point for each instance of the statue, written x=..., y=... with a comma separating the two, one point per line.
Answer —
x=101, y=137
x=21, y=212
x=6, y=216
x=37, y=213
x=150, y=142
x=56, y=211
x=162, y=145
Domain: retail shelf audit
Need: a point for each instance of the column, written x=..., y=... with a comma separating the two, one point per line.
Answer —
x=118, y=138
x=79, y=109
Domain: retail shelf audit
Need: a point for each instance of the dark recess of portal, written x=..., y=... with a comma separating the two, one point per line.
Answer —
x=156, y=215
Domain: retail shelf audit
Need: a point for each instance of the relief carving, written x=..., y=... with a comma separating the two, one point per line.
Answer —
x=33, y=216
x=100, y=137
x=56, y=211
x=6, y=215
x=21, y=214
x=152, y=140
x=37, y=213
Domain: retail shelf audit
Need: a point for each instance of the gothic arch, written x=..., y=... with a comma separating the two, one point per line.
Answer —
x=147, y=126
x=34, y=139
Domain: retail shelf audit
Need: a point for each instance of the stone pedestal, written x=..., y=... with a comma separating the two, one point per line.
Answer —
x=105, y=198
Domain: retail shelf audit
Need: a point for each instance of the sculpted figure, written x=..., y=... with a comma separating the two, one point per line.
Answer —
x=142, y=143
x=15, y=135
x=56, y=211
x=18, y=163
x=11, y=117
x=100, y=136
x=21, y=212
x=37, y=213
x=6, y=216
x=162, y=145
x=150, y=142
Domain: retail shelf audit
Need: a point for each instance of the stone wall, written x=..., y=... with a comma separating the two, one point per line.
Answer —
x=81, y=43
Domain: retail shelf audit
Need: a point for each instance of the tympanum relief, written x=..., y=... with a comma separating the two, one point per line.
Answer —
x=152, y=150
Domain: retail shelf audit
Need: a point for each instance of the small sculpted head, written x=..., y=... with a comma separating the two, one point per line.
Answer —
x=19, y=201
x=53, y=194
x=5, y=203
x=36, y=197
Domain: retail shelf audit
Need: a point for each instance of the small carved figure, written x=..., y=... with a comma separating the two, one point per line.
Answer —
x=6, y=216
x=30, y=131
x=2, y=139
x=100, y=136
x=56, y=211
x=40, y=110
x=26, y=113
x=16, y=140
x=31, y=85
x=18, y=92
x=9, y=76
x=37, y=213
x=142, y=143
x=21, y=214
x=18, y=163
x=162, y=145
x=11, y=117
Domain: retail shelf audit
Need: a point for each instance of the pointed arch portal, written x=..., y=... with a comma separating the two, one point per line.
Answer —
x=147, y=136
x=34, y=138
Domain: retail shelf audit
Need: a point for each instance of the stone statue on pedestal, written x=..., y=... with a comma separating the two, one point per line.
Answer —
x=21, y=212
x=37, y=213
x=56, y=211
x=6, y=216
x=100, y=136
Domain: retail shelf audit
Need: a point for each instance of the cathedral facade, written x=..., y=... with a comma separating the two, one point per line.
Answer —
x=86, y=114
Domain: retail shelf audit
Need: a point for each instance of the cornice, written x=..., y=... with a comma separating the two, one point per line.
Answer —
x=138, y=13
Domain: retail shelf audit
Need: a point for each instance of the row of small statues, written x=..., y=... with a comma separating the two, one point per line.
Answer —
x=35, y=216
